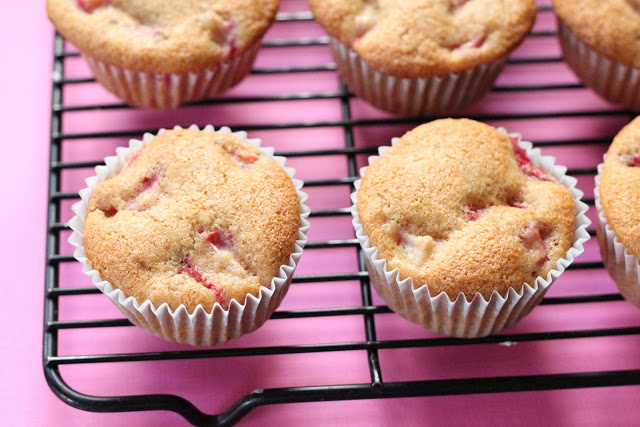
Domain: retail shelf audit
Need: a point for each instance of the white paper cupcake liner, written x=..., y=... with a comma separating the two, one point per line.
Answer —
x=461, y=318
x=200, y=327
x=623, y=267
x=413, y=96
x=163, y=91
x=612, y=80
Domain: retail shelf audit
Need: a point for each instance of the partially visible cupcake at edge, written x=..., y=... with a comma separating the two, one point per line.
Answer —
x=599, y=39
x=617, y=195
x=464, y=229
x=423, y=56
x=194, y=235
x=163, y=53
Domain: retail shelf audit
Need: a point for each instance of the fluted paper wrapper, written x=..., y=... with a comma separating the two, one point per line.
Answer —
x=612, y=80
x=200, y=327
x=621, y=265
x=413, y=96
x=164, y=91
x=461, y=318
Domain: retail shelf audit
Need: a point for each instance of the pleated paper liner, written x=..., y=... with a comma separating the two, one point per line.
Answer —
x=164, y=91
x=414, y=96
x=612, y=80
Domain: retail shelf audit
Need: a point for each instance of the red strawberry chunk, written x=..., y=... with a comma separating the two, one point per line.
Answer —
x=110, y=212
x=472, y=213
x=220, y=239
x=89, y=5
x=475, y=43
x=149, y=184
x=232, y=47
x=417, y=249
x=227, y=39
x=534, y=240
x=130, y=160
x=526, y=165
x=518, y=205
x=630, y=159
x=189, y=269
x=470, y=44
x=516, y=202
x=455, y=4
x=364, y=23
x=531, y=236
x=246, y=157
x=410, y=241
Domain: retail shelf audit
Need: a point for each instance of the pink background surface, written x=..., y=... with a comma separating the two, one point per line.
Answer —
x=214, y=384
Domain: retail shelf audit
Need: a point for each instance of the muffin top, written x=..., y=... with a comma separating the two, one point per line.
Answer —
x=611, y=27
x=417, y=38
x=162, y=36
x=194, y=218
x=457, y=206
x=620, y=186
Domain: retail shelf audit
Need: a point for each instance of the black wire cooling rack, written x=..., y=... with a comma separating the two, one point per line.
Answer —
x=376, y=387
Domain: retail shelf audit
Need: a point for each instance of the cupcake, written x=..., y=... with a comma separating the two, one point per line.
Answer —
x=599, y=42
x=194, y=235
x=160, y=54
x=423, y=57
x=617, y=192
x=465, y=227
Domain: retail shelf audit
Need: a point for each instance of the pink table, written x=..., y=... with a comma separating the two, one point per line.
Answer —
x=214, y=384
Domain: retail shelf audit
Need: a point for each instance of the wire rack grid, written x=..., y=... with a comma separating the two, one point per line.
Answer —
x=355, y=130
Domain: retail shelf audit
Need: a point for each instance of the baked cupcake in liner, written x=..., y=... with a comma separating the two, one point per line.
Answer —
x=200, y=327
x=160, y=55
x=623, y=266
x=429, y=57
x=479, y=317
x=615, y=196
x=600, y=50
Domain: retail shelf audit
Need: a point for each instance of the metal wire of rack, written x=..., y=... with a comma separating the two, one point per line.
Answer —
x=376, y=387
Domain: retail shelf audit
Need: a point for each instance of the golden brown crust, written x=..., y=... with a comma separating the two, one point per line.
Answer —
x=611, y=27
x=208, y=227
x=418, y=38
x=449, y=206
x=163, y=36
x=620, y=187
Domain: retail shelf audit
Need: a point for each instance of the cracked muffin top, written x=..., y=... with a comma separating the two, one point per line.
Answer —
x=611, y=27
x=162, y=36
x=458, y=206
x=620, y=186
x=417, y=38
x=194, y=218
